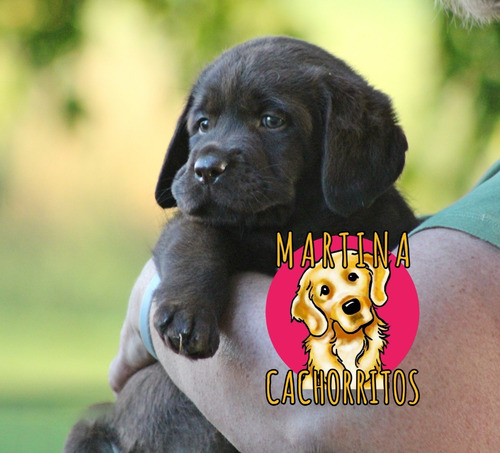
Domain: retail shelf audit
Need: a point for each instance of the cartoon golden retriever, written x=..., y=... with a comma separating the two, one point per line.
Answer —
x=337, y=306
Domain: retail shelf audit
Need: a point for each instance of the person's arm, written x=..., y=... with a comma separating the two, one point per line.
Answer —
x=132, y=354
x=456, y=352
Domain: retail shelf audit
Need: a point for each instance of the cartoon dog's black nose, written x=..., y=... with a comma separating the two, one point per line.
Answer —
x=351, y=307
x=208, y=168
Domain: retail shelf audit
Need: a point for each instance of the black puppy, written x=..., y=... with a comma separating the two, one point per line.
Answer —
x=277, y=135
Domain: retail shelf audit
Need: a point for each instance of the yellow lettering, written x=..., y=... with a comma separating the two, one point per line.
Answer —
x=300, y=379
x=287, y=252
x=330, y=387
x=347, y=388
x=319, y=386
x=327, y=254
x=386, y=374
x=403, y=251
x=379, y=251
x=361, y=262
x=413, y=384
x=270, y=400
x=373, y=381
x=399, y=396
x=288, y=389
x=344, y=249
x=360, y=387
x=308, y=252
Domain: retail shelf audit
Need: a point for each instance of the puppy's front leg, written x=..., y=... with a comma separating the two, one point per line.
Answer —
x=192, y=261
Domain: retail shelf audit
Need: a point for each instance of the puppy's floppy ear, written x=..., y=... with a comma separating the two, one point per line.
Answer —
x=363, y=147
x=380, y=276
x=303, y=308
x=176, y=157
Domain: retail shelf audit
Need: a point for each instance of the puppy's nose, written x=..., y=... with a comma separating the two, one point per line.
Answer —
x=208, y=168
x=351, y=307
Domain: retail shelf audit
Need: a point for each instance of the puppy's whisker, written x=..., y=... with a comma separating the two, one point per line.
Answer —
x=283, y=174
x=164, y=196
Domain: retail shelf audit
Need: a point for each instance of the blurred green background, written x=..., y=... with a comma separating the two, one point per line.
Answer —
x=89, y=95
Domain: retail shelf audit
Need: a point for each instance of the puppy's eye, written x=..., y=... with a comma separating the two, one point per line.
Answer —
x=272, y=122
x=352, y=277
x=324, y=291
x=203, y=125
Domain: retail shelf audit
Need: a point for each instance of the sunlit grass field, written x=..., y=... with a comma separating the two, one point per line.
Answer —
x=77, y=213
x=59, y=328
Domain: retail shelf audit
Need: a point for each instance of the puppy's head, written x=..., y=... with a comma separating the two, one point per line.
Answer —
x=272, y=117
x=343, y=295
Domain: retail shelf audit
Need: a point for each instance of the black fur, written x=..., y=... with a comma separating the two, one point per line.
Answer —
x=328, y=164
x=151, y=415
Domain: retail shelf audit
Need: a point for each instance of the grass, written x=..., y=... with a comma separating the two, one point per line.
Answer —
x=41, y=424
x=68, y=261
x=63, y=299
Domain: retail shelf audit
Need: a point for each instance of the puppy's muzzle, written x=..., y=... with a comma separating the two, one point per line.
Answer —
x=209, y=168
x=351, y=307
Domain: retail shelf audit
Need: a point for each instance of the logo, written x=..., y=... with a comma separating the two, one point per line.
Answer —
x=342, y=313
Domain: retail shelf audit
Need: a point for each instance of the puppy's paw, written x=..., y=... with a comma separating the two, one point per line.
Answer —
x=195, y=335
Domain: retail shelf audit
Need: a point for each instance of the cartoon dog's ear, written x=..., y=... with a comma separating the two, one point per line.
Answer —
x=380, y=277
x=303, y=309
x=363, y=147
x=176, y=157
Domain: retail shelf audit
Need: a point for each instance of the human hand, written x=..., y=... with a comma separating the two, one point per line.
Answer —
x=132, y=354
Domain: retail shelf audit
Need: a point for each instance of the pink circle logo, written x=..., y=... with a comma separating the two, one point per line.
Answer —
x=357, y=299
